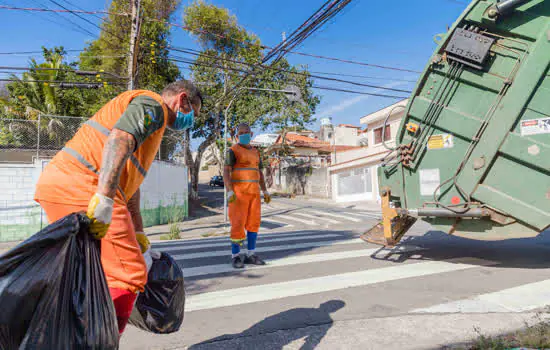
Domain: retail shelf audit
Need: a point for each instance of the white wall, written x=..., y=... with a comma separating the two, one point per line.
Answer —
x=344, y=136
x=20, y=216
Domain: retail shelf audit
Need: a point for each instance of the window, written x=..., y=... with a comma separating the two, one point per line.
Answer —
x=378, y=135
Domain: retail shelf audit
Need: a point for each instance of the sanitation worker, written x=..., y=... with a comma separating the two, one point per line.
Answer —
x=243, y=179
x=100, y=170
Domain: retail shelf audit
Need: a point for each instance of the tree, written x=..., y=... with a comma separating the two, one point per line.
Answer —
x=35, y=98
x=229, y=53
x=109, y=51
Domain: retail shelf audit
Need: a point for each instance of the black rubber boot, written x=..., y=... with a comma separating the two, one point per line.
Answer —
x=253, y=260
x=238, y=262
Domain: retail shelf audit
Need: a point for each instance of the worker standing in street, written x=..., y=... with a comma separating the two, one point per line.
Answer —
x=100, y=170
x=243, y=179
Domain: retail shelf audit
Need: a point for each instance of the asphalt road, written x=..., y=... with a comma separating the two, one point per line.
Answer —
x=324, y=288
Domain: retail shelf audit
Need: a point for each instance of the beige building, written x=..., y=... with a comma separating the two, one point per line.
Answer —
x=354, y=173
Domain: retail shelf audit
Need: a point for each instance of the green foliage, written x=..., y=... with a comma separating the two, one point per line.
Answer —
x=229, y=53
x=109, y=51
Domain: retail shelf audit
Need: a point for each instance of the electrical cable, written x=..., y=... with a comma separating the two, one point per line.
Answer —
x=219, y=35
x=290, y=72
x=75, y=25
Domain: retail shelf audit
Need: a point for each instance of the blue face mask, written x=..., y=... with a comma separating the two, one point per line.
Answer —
x=244, y=139
x=184, y=121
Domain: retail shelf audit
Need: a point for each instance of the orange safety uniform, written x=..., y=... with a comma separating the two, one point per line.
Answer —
x=245, y=212
x=71, y=178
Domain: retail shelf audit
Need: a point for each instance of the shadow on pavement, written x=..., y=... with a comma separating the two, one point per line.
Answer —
x=531, y=253
x=293, y=319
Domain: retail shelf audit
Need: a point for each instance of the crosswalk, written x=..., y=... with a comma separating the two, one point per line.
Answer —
x=276, y=219
x=302, y=254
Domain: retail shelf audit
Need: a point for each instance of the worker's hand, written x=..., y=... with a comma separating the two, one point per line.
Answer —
x=143, y=241
x=231, y=197
x=267, y=197
x=100, y=211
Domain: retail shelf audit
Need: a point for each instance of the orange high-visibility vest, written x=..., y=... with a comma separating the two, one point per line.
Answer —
x=245, y=175
x=83, y=155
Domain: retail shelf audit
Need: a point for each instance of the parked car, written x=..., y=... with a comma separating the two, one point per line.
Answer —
x=216, y=181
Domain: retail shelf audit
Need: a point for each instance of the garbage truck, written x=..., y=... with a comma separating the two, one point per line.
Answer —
x=472, y=154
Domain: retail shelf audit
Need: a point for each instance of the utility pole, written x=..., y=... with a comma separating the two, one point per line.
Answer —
x=134, y=44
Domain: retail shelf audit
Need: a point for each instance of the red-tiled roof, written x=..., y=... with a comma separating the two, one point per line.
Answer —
x=301, y=141
x=349, y=126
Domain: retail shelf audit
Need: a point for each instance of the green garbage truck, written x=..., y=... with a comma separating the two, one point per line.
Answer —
x=472, y=155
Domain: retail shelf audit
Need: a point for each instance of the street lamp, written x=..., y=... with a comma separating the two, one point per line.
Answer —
x=293, y=94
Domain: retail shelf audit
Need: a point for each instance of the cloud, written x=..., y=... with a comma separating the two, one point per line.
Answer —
x=345, y=104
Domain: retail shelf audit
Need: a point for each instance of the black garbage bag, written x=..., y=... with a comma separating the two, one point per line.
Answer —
x=53, y=293
x=159, y=309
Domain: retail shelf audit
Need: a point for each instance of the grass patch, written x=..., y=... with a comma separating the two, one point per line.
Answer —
x=533, y=336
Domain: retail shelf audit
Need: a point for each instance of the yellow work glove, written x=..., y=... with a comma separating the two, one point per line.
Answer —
x=100, y=212
x=267, y=197
x=231, y=197
x=143, y=241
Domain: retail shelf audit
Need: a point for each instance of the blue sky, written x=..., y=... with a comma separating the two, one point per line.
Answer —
x=397, y=33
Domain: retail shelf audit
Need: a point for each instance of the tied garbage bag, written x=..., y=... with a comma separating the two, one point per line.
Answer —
x=159, y=309
x=53, y=293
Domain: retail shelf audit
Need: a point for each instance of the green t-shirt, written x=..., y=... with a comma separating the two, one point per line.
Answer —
x=231, y=159
x=142, y=117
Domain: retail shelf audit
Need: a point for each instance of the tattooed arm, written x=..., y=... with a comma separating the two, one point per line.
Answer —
x=118, y=148
x=133, y=207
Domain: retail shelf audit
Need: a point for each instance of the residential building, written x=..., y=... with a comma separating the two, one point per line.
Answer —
x=341, y=135
x=354, y=172
x=265, y=140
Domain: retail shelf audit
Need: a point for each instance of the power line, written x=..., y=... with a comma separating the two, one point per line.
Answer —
x=356, y=92
x=35, y=9
x=225, y=37
x=86, y=20
x=190, y=51
x=314, y=86
x=363, y=76
x=326, y=12
x=354, y=62
x=57, y=82
x=75, y=25
x=77, y=71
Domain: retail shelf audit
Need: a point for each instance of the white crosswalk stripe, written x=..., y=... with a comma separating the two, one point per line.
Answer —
x=339, y=216
x=273, y=291
x=288, y=261
x=292, y=218
x=269, y=249
x=318, y=217
x=271, y=220
x=265, y=241
x=517, y=299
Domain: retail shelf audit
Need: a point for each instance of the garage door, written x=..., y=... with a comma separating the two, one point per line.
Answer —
x=354, y=185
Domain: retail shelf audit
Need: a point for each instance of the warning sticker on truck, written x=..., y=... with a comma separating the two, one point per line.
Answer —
x=535, y=126
x=440, y=141
x=429, y=182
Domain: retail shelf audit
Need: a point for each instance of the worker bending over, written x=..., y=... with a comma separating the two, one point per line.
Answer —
x=243, y=178
x=100, y=170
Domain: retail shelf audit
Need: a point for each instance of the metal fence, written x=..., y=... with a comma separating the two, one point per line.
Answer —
x=25, y=140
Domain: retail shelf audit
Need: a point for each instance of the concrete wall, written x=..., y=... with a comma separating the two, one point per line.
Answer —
x=344, y=136
x=299, y=180
x=20, y=215
x=164, y=194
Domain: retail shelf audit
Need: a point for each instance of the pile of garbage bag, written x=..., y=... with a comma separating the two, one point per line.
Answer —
x=53, y=293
